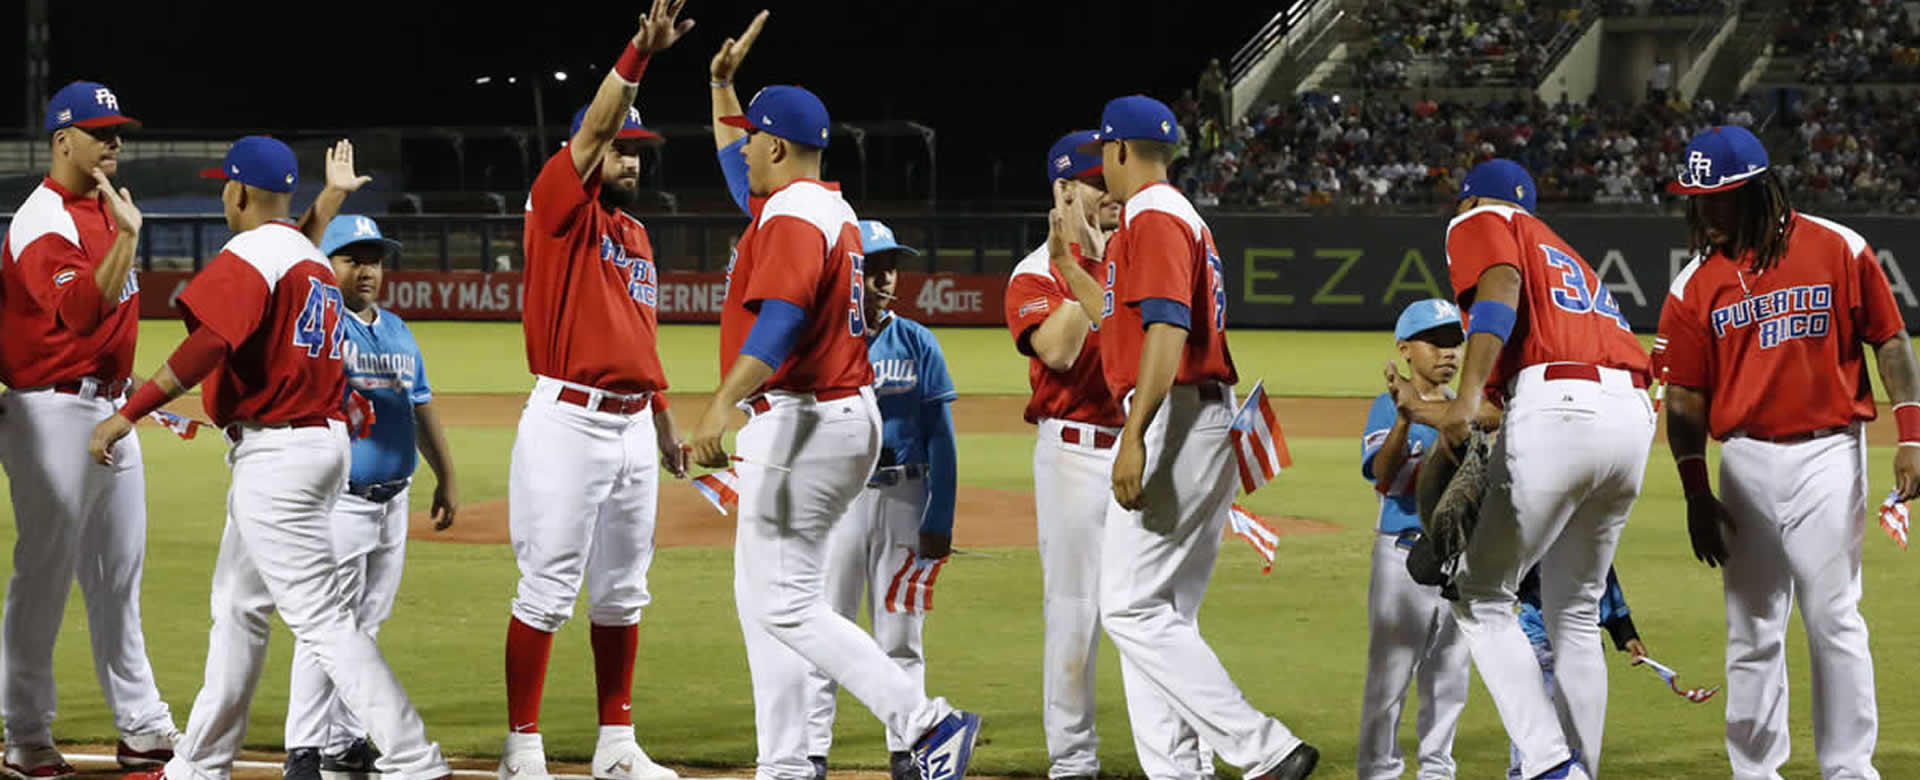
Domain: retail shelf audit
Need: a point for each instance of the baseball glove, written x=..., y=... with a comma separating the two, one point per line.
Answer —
x=1451, y=485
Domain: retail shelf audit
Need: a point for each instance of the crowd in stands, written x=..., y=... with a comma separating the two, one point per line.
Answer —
x=1481, y=42
x=1318, y=151
x=1852, y=41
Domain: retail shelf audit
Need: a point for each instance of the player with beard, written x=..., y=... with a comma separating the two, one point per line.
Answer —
x=583, y=479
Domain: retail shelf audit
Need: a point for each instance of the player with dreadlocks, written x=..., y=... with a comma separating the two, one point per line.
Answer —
x=1763, y=338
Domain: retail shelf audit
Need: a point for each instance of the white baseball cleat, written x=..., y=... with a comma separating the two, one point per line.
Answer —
x=148, y=750
x=523, y=758
x=36, y=762
x=618, y=757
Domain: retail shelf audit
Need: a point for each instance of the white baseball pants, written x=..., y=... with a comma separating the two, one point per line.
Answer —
x=369, y=545
x=1072, y=486
x=1155, y=564
x=76, y=519
x=1800, y=510
x=823, y=451
x=277, y=553
x=1411, y=638
x=1563, y=478
x=582, y=489
x=864, y=556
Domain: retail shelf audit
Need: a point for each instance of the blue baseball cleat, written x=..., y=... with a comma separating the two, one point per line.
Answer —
x=943, y=753
x=1570, y=769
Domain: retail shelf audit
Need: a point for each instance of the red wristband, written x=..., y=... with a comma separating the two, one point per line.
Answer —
x=1693, y=475
x=1907, y=415
x=630, y=65
x=148, y=398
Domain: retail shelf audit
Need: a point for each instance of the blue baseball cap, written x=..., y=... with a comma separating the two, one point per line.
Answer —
x=258, y=161
x=85, y=104
x=1500, y=178
x=788, y=112
x=1426, y=315
x=1719, y=159
x=1067, y=160
x=1136, y=117
x=349, y=229
x=876, y=237
x=631, y=128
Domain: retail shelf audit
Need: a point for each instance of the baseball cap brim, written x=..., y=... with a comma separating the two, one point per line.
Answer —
x=108, y=121
x=213, y=173
x=391, y=246
x=1676, y=188
x=645, y=135
x=737, y=120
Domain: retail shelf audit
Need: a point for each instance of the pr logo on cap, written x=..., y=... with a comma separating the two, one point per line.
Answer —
x=104, y=96
x=1700, y=164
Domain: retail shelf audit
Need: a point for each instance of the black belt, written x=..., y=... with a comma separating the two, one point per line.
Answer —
x=888, y=476
x=377, y=492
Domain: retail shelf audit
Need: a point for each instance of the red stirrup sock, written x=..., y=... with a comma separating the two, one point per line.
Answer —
x=613, y=651
x=527, y=652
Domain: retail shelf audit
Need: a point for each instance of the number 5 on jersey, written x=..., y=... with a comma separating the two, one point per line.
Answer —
x=319, y=324
x=857, y=310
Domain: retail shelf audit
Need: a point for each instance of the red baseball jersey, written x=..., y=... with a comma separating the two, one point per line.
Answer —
x=1565, y=314
x=1080, y=393
x=591, y=286
x=1164, y=250
x=1781, y=352
x=803, y=248
x=273, y=298
x=54, y=243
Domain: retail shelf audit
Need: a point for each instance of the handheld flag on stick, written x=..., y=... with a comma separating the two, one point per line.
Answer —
x=1258, y=445
x=1250, y=527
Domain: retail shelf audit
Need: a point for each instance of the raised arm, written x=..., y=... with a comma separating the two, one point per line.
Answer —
x=608, y=111
x=341, y=180
x=720, y=73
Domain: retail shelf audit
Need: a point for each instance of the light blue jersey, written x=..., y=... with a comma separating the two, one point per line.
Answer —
x=384, y=365
x=1398, y=509
x=914, y=390
x=1613, y=607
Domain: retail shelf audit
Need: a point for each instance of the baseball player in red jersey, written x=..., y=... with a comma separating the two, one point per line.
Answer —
x=793, y=355
x=263, y=321
x=584, y=476
x=1163, y=348
x=1543, y=332
x=1079, y=423
x=70, y=313
x=1762, y=340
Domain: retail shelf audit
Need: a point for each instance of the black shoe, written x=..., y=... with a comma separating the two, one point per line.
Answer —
x=819, y=767
x=358, y=759
x=1296, y=766
x=902, y=766
x=302, y=764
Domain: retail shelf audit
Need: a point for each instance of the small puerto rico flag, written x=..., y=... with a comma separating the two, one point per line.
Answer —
x=1257, y=442
x=720, y=488
x=1250, y=527
x=184, y=427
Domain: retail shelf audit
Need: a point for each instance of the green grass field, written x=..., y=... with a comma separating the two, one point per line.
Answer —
x=1295, y=640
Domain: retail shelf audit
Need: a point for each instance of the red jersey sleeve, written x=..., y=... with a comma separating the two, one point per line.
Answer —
x=54, y=271
x=1878, y=314
x=1031, y=299
x=1476, y=245
x=1160, y=262
x=229, y=296
x=1681, y=352
x=560, y=194
x=792, y=255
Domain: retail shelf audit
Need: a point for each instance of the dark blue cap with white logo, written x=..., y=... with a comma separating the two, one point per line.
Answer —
x=85, y=104
x=788, y=112
x=1070, y=159
x=629, y=128
x=1500, y=178
x=1137, y=117
x=1719, y=159
x=258, y=161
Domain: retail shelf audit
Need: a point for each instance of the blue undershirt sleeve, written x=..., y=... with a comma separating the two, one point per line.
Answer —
x=774, y=331
x=733, y=165
x=1171, y=312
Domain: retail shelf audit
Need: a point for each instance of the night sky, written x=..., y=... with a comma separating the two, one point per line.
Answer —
x=998, y=80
